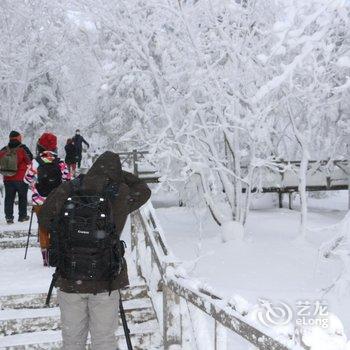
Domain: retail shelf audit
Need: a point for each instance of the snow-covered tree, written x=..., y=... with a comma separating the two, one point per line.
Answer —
x=42, y=50
x=219, y=91
x=304, y=70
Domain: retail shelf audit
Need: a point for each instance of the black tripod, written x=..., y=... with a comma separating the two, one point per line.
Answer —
x=29, y=232
x=125, y=325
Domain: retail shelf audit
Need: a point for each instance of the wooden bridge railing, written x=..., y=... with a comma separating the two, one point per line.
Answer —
x=282, y=178
x=322, y=175
x=176, y=297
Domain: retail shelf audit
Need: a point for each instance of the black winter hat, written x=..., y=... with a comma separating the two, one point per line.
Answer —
x=14, y=133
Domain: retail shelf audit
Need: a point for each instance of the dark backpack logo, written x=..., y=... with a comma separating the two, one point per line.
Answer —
x=84, y=232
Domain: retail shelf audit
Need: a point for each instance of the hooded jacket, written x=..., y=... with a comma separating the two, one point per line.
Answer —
x=132, y=194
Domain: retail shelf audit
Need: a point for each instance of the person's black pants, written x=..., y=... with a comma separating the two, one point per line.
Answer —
x=11, y=188
x=79, y=159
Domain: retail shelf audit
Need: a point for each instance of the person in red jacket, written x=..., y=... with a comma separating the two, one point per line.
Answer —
x=14, y=184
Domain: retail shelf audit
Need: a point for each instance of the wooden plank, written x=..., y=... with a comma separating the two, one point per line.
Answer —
x=171, y=319
x=150, y=180
x=289, y=189
x=141, y=224
x=135, y=242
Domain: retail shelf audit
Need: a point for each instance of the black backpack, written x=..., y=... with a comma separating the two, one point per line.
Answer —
x=49, y=176
x=83, y=242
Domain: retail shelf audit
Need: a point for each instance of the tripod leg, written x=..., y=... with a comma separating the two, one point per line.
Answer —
x=29, y=233
x=125, y=325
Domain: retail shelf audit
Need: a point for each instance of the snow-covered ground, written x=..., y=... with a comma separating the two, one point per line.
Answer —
x=270, y=263
x=17, y=275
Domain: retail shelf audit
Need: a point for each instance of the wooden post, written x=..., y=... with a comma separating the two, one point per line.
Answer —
x=133, y=237
x=349, y=184
x=220, y=337
x=134, y=242
x=171, y=319
x=348, y=170
x=290, y=200
x=134, y=158
x=280, y=199
x=349, y=187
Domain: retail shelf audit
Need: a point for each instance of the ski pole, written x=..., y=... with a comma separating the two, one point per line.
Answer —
x=125, y=325
x=29, y=233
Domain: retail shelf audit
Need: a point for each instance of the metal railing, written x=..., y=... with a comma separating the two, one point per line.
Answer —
x=174, y=295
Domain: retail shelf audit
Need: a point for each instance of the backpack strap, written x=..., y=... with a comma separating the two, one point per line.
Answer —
x=74, y=187
x=111, y=191
x=14, y=149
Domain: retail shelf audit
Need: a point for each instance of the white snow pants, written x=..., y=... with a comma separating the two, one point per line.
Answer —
x=81, y=313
